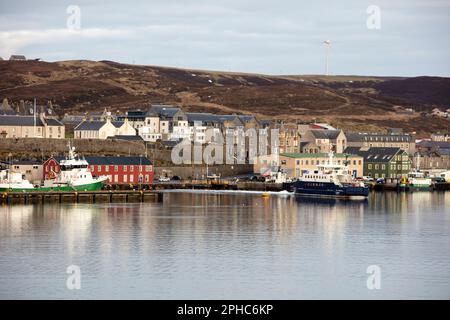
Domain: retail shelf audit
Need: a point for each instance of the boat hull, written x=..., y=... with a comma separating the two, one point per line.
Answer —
x=329, y=189
x=98, y=185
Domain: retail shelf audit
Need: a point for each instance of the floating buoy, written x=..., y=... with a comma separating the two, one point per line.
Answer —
x=265, y=195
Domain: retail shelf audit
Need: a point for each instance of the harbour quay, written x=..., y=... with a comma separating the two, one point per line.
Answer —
x=98, y=196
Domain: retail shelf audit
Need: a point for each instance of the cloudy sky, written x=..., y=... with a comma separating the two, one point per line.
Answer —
x=264, y=36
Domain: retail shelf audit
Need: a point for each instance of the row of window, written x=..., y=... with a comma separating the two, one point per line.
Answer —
x=383, y=167
x=116, y=168
x=100, y=168
x=312, y=162
x=128, y=179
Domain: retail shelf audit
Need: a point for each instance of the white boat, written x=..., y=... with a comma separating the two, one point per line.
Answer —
x=12, y=180
x=417, y=179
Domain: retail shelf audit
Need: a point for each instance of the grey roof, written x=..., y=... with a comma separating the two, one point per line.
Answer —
x=203, y=117
x=117, y=124
x=246, y=118
x=165, y=111
x=99, y=160
x=436, y=144
x=325, y=134
x=444, y=152
x=96, y=125
x=380, y=137
x=15, y=120
x=375, y=154
x=352, y=150
x=53, y=122
x=90, y=125
x=265, y=122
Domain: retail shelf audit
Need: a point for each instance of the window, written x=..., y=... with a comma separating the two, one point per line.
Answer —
x=283, y=161
x=369, y=166
x=116, y=168
x=125, y=168
x=107, y=168
x=147, y=178
x=131, y=178
x=131, y=168
x=116, y=178
x=125, y=178
x=298, y=162
x=99, y=168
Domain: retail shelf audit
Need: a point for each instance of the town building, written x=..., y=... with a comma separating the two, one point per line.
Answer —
x=382, y=140
x=103, y=129
x=441, y=136
x=32, y=170
x=289, y=138
x=296, y=164
x=120, y=170
x=432, y=156
x=379, y=162
x=14, y=126
x=323, y=141
x=17, y=57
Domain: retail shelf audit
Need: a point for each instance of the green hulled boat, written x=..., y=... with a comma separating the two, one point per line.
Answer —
x=74, y=176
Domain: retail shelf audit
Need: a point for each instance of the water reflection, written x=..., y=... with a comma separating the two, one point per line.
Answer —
x=228, y=246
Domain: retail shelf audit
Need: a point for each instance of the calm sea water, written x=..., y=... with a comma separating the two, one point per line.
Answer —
x=219, y=246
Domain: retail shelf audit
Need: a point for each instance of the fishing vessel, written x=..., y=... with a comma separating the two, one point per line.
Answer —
x=417, y=179
x=330, y=180
x=74, y=176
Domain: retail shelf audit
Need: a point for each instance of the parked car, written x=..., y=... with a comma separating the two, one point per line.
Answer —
x=176, y=178
x=164, y=179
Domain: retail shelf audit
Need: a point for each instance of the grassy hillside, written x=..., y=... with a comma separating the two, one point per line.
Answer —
x=348, y=101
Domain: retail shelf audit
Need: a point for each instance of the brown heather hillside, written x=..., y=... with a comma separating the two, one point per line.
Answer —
x=351, y=102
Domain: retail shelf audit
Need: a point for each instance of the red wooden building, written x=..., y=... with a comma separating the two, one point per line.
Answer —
x=120, y=170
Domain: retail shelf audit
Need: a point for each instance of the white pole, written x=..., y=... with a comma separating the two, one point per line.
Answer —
x=327, y=56
x=34, y=118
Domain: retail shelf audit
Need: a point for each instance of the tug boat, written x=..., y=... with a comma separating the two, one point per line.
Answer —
x=74, y=176
x=330, y=180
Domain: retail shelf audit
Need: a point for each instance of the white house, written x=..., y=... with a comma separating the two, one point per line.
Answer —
x=103, y=129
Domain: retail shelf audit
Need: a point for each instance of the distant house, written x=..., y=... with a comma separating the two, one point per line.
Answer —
x=17, y=57
x=403, y=141
x=383, y=162
x=441, y=136
x=103, y=129
x=323, y=141
x=6, y=109
x=14, y=126
x=120, y=170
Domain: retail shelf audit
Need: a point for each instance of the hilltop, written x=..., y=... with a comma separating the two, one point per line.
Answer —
x=350, y=102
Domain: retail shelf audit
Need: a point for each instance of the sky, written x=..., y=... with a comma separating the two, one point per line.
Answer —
x=375, y=37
